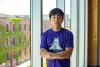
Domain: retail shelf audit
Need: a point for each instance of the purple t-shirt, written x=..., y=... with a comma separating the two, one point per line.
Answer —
x=57, y=42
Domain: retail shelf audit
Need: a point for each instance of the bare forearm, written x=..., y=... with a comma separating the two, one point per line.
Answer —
x=43, y=53
x=50, y=55
x=60, y=55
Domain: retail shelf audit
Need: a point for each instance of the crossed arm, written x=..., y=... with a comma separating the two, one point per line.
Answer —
x=66, y=54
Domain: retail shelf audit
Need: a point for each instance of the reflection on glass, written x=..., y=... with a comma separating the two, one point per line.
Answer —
x=15, y=34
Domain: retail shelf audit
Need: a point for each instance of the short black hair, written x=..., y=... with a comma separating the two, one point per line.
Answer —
x=55, y=11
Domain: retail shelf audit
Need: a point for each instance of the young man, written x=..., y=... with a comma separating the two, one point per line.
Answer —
x=57, y=42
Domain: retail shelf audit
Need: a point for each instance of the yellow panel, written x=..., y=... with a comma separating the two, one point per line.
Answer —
x=44, y=62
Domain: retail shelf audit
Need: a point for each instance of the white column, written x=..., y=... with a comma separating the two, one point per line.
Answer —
x=82, y=33
x=35, y=32
x=86, y=33
x=75, y=27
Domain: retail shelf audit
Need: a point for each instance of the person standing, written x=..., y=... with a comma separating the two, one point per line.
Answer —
x=56, y=43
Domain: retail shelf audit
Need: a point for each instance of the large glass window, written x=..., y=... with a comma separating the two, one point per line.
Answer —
x=67, y=15
x=46, y=9
x=14, y=21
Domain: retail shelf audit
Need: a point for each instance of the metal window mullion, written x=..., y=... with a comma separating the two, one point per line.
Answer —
x=35, y=32
x=74, y=20
x=78, y=34
x=86, y=32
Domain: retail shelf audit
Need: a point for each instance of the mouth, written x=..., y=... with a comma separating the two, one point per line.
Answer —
x=56, y=23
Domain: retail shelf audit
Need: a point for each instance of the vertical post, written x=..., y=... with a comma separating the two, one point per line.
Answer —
x=83, y=33
x=35, y=32
x=86, y=32
x=99, y=33
x=74, y=29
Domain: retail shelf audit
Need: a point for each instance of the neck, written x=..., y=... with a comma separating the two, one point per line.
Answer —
x=56, y=29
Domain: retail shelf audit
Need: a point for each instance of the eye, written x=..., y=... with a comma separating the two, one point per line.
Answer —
x=53, y=17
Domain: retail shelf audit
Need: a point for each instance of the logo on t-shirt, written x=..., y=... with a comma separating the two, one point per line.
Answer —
x=55, y=46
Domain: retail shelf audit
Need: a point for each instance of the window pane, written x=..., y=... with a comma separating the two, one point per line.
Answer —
x=14, y=29
x=67, y=15
x=47, y=6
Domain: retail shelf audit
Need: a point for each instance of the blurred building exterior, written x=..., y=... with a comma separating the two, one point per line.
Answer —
x=14, y=39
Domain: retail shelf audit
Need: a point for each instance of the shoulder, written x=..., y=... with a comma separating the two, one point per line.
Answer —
x=45, y=33
x=68, y=32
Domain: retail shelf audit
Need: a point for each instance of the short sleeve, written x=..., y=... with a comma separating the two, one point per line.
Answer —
x=69, y=40
x=43, y=41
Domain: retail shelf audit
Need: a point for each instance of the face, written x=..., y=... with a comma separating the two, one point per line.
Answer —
x=56, y=20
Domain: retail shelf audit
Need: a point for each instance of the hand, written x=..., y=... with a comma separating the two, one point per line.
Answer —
x=43, y=52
